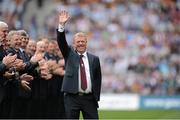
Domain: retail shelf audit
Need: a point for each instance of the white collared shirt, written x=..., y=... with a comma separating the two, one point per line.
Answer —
x=88, y=77
x=21, y=49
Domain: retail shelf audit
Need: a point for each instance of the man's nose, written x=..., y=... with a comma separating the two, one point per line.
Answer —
x=81, y=42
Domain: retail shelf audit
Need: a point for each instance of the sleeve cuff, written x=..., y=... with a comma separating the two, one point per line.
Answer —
x=60, y=28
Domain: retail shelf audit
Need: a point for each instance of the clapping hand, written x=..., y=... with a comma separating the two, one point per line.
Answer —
x=26, y=77
x=25, y=86
x=37, y=57
x=19, y=64
x=44, y=71
x=9, y=60
x=24, y=81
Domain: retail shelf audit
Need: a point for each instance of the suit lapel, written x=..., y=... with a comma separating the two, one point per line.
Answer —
x=90, y=59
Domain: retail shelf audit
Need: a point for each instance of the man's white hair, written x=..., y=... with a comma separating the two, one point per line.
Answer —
x=3, y=24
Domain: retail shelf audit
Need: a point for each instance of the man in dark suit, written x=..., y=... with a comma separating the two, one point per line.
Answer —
x=5, y=63
x=8, y=81
x=82, y=79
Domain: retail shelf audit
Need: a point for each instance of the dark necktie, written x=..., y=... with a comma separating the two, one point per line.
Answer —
x=83, y=74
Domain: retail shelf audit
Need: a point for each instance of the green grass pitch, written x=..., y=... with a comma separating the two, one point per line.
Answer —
x=140, y=114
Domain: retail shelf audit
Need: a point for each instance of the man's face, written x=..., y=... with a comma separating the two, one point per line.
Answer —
x=51, y=47
x=80, y=43
x=40, y=47
x=24, y=41
x=15, y=41
x=3, y=33
x=31, y=47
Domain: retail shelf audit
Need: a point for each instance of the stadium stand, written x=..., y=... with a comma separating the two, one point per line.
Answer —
x=137, y=40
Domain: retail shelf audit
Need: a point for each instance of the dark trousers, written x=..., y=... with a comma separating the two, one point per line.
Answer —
x=74, y=103
x=19, y=108
x=46, y=108
x=5, y=107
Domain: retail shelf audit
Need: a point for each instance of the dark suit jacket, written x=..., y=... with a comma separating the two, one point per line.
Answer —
x=29, y=68
x=2, y=66
x=2, y=71
x=70, y=81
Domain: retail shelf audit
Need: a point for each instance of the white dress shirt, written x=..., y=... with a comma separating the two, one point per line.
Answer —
x=88, y=77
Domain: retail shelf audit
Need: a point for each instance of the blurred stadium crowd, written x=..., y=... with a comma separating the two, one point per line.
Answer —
x=137, y=40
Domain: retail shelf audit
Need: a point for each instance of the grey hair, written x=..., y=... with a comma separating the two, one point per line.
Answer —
x=3, y=24
x=12, y=33
x=80, y=34
x=23, y=33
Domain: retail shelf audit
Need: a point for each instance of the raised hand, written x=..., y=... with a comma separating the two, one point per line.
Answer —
x=37, y=57
x=63, y=17
x=44, y=71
